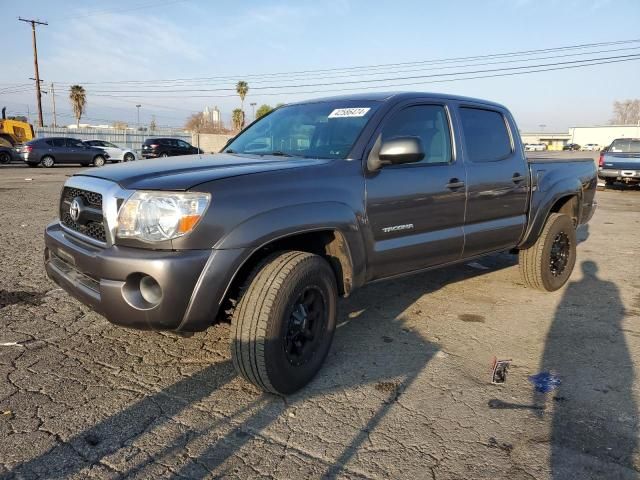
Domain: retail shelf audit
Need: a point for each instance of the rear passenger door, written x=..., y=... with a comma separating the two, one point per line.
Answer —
x=497, y=180
x=416, y=210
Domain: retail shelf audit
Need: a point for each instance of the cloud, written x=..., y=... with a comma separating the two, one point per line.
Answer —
x=119, y=46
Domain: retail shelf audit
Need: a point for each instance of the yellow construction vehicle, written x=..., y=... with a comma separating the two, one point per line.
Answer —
x=19, y=131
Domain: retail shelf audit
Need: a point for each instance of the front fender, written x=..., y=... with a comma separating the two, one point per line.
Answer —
x=548, y=192
x=264, y=228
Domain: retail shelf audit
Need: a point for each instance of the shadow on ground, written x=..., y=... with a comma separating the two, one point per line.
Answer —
x=594, y=431
x=393, y=357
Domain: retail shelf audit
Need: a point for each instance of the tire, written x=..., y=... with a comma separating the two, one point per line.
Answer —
x=547, y=265
x=276, y=343
x=164, y=154
x=609, y=181
x=47, y=161
x=129, y=157
x=99, y=161
x=5, y=158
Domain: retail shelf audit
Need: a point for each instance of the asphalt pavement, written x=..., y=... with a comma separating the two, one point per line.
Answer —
x=406, y=390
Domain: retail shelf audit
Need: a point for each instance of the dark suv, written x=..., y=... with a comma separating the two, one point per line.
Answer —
x=167, y=147
x=50, y=151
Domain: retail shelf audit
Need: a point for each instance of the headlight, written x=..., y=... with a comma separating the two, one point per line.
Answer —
x=157, y=216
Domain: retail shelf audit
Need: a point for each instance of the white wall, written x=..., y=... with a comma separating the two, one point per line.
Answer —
x=604, y=135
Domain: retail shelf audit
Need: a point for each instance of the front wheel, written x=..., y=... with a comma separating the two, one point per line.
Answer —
x=5, y=157
x=164, y=154
x=609, y=181
x=548, y=264
x=47, y=161
x=283, y=324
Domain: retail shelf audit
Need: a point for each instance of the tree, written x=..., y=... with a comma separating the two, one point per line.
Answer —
x=626, y=112
x=152, y=125
x=242, y=88
x=263, y=110
x=199, y=123
x=237, y=117
x=78, y=98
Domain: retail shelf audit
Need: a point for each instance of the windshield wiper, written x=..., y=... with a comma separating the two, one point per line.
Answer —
x=278, y=153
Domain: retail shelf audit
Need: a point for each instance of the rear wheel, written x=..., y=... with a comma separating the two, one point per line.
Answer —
x=47, y=161
x=5, y=157
x=128, y=157
x=283, y=325
x=98, y=161
x=548, y=264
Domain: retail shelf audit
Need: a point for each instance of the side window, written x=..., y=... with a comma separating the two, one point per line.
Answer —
x=108, y=145
x=182, y=144
x=430, y=124
x=72, y=142
x=57, y=142
x=485, y=135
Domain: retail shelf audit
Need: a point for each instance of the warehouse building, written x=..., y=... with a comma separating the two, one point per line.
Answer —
x=601, y=135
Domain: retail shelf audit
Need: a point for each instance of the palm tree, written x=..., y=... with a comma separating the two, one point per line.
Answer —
x=78, y=98
x=242, y=88
x=237, y=118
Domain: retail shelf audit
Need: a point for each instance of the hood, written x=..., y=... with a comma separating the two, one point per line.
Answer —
x=185, y=172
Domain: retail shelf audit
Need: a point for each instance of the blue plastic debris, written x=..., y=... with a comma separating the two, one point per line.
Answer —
x=545, y=381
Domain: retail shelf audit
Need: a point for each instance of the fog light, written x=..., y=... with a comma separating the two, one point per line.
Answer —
x=142, y=291
x=150, y=290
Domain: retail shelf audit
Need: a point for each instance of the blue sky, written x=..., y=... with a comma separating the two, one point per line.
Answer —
x=91, y=42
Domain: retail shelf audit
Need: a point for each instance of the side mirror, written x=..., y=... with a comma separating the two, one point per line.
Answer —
x=395, y=151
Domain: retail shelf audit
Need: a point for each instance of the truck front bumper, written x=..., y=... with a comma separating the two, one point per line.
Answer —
x=145, y=289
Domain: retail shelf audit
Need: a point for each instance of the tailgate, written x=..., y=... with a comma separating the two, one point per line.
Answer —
x=621, y=161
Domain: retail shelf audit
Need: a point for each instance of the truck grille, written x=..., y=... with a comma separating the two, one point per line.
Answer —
x=93, y=228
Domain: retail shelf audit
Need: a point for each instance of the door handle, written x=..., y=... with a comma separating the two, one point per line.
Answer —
x=454, y=183
x=517, y=178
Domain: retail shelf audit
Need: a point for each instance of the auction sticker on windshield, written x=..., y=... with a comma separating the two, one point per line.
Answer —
x=349, y=112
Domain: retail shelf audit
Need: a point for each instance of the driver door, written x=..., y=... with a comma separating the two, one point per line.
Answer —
x=416, y=211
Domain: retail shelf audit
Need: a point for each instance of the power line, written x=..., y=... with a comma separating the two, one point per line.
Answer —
x=120, y=10
x=358, y=74
x=376, y=80
x=376, y=66
x=570, y=67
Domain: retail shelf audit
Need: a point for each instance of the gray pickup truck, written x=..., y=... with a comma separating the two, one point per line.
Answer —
x=307, y=204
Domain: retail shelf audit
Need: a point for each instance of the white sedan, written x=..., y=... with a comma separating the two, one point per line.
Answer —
x=591, y=147
x=535, y=147
x=116, y=153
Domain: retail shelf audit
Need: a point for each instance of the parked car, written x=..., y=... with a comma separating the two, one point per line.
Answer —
x=620, y=162
x=571, y=146
x=343, y=192
x=536, y=147
x=116, y=153
x=167, y=147
x=62, y=150
x=591, y=147
x=7, y=150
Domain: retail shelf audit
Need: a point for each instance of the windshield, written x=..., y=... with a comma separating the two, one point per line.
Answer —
x=625, y=146
x=317, y=130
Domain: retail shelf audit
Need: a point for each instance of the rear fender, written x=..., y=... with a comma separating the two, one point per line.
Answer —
x=549, y=193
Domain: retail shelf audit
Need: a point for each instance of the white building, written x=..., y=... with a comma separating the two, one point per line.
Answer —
x=601, y=135
x=212, y=115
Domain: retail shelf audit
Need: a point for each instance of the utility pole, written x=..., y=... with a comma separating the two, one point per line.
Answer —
x=53, y=102
x=138, y=107
x=35, y=64
x=253, y=108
